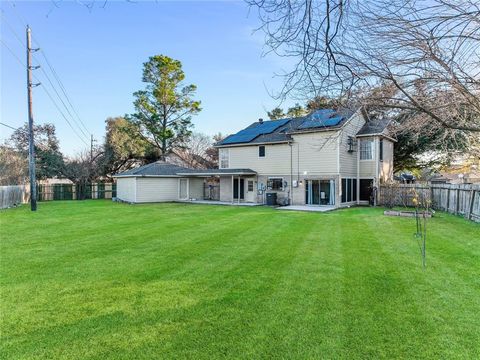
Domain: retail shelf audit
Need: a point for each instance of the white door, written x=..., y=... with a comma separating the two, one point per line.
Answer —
x=183, y=191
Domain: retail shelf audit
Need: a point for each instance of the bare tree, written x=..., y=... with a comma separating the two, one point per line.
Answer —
x=418, y=59
x=195, y=152
x=13, y=166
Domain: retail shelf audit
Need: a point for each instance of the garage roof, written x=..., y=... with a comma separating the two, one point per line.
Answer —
x=217, y=172
x=159, y=168
x=164, y=169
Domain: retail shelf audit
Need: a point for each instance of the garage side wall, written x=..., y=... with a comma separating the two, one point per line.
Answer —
x=157, y=189
x=126, y=189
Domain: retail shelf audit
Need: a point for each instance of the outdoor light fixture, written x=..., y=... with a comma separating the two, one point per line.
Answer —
x=350, y=143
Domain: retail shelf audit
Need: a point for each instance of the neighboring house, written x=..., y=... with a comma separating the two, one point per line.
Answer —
x=326, y=158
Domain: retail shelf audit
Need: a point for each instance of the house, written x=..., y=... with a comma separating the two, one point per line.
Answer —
x=329, y=157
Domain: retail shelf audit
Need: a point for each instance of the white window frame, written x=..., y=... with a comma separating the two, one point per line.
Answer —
x=248, y=184
x=363, y=150
x=277, y=177
x=223, y=157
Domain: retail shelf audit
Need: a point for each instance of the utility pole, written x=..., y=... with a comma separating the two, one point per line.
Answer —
x=31, y=148
x=91, y=148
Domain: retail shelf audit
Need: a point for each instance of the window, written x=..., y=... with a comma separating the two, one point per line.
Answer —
x=366, y=150
x=349, y=190
x=250, y=185
x=275, y=184
x=224, y=158
x=261, y=151
x=380, y=154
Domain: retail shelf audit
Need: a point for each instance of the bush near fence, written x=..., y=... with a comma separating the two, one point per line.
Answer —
x=458, y=199
x=18, y=194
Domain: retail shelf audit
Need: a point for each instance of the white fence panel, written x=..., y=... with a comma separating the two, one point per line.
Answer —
x=12, y=195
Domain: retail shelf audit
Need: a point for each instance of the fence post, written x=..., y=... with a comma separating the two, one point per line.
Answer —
x=448, y=199
x=457, y=204
x=470, y=207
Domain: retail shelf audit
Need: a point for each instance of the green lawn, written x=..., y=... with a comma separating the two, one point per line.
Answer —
x=99, y=280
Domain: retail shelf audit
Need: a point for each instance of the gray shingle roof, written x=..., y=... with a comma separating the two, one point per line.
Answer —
x=217, y=171
x=159, y=168
x=374, y=127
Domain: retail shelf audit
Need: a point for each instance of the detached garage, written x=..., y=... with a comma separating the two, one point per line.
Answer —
x=158, y=182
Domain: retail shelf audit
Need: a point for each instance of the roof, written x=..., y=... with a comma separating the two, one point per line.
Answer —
x=159, y=168
x=274, y=131
x=374, y=127
x=212, y=172
x=164, y=169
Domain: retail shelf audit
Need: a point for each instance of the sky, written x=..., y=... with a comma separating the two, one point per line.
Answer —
x=98, y=54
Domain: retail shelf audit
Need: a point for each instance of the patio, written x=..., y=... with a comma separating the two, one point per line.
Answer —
x=307, y=208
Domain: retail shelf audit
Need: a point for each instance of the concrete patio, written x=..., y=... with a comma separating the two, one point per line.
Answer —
x=307, y=208
x=215, y=202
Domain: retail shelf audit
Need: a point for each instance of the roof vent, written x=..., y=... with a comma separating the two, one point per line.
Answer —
x=260, y=120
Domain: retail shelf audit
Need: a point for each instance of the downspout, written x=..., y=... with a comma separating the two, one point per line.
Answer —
x=290, y=191
x=298, y=162
x=239, y=192
x=358, y=171
x=377, y=170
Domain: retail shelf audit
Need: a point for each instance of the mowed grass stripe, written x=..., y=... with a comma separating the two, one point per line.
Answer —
x=96, y=280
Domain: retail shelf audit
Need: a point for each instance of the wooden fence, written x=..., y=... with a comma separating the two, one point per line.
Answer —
x=461, y=199
x=13, y=195
x=17, y=194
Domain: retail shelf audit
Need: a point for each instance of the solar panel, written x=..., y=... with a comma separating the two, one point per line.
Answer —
x=252, y=132
x=321, y=118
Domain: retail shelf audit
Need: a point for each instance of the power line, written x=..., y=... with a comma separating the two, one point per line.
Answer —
x=46, y=91
x=13, y=53
x=49, y=80
x=55, y=75
x=60, y=98
x=63, y=115
x=8, y=126
x=12, y=29
x=64, y=90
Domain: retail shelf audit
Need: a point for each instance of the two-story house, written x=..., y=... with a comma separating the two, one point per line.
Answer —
x=329, y=157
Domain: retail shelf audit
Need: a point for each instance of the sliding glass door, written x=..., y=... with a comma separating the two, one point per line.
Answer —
x=320, y=192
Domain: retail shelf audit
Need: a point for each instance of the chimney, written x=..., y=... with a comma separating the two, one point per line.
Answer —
x=260, y=120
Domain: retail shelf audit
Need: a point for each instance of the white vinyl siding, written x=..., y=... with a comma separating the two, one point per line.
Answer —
x=276, y=161
x=348, y=160
x=368, y=169
x=157, y=189
x=126, y=189
x=225, y=188
x=386, y=166
x=315, y=153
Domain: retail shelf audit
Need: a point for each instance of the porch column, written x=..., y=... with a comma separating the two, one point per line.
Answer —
x=232, y=190
x=239, y=190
